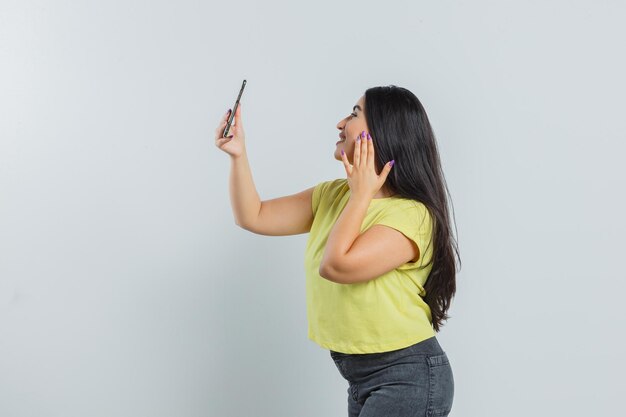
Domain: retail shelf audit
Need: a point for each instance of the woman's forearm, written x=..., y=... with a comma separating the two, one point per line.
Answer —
x=244, y=198
x=345, y=231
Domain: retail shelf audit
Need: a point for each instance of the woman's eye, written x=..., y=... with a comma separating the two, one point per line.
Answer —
x=352, y=114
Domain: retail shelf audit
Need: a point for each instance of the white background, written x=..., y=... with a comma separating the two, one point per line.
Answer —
x=126, y=289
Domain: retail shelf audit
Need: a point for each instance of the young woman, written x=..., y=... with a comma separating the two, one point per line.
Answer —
x=380, y=258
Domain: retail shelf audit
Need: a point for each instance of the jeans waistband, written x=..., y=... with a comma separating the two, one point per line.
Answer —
x=426, y=347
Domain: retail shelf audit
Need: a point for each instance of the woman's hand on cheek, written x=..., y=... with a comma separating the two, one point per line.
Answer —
x=362, y=178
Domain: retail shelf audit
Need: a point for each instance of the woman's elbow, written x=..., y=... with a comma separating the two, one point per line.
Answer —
x=327, y=272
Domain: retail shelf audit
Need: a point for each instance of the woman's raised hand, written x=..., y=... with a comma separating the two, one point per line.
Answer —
x=234, y=144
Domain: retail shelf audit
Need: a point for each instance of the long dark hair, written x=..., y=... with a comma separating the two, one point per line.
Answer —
x=401, y=131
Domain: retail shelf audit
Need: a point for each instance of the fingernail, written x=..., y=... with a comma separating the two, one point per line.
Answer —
x=342, y=151
x=228, y=111
x=393, y=161
x=230, y=136
x=369, y=137
x=363, y=134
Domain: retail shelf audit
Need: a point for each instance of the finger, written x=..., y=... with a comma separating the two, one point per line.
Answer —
x=224, y=119
x=219, y=133
x=385, y=172
x=220, y=128
x=346, y=163
x=357, y=152
x=364, y=148
x=222, y=141
x=370, y=150
x=232, y=128
x=226, y=115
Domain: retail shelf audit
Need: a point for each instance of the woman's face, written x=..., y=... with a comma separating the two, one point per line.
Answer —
x=351, y=127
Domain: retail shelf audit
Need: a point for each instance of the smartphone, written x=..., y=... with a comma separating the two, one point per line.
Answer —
x=232, y=114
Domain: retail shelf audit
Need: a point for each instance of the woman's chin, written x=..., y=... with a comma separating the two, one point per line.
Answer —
x=338, y=148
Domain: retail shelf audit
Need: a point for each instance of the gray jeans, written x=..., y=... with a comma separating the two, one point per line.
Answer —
x=412, y=381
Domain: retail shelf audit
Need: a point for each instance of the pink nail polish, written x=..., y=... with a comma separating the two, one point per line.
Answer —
x=342, y=152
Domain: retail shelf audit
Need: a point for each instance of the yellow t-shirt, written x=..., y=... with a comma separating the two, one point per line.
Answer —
x=379, y=315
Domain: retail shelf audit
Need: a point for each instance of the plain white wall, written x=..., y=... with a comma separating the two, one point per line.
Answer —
x=126, y=289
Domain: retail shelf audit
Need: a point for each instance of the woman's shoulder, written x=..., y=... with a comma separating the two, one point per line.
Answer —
x=403, y=206
x=333, y=184
x=339, y=182
x=400, y=201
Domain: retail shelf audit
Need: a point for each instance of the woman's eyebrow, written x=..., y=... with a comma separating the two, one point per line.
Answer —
x=357, y=107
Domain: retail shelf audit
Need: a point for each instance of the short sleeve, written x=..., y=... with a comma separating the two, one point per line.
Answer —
x=413, y=220
x=318, y=191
